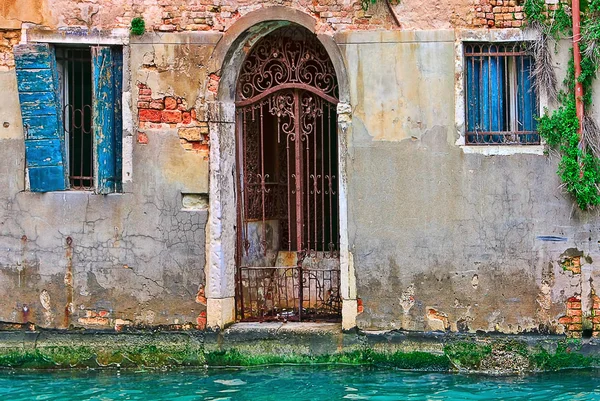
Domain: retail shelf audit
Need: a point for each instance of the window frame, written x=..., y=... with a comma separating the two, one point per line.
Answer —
x=85, y=39
x=500, y=36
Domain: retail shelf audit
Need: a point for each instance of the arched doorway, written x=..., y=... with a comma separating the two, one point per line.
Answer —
x=287, y=253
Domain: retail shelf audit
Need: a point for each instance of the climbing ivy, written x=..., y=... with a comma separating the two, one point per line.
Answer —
x=365, y=3
x=579, y=167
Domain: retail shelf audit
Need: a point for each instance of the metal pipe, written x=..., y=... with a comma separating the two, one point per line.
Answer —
x=577, y=61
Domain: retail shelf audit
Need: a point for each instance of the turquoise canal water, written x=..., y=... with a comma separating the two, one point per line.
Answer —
x=293, y=384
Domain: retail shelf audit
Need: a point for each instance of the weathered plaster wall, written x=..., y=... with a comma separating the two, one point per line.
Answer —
x=210, y=15
x=74, y=258
x=442, y=239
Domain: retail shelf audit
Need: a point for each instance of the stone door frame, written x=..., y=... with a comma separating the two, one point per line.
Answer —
x=225, y=64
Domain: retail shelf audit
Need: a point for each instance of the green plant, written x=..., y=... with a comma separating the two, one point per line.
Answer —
x=138, y=26
x=579, y=167
x=365, y=3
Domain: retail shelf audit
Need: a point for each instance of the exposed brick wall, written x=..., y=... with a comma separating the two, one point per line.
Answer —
x=573, y=320
x=8, y=39
x=502, y=13
x=213, y=15
x=595, y=315
x=205, y=15
x=160, y=112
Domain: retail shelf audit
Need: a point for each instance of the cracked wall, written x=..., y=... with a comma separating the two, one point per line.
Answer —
x=203, y=15
x=440, y=239
x=76, y=259
x=446, y=240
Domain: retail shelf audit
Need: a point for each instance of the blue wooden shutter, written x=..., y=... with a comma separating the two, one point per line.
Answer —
x=104, y=122
x=118, y=115
x=526, y=100
x=38, y=85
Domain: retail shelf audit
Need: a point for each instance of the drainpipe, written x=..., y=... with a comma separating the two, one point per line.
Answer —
x=577, y=61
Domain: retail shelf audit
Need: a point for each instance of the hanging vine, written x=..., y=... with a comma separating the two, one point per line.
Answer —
x=579, y=167
x=366, y=3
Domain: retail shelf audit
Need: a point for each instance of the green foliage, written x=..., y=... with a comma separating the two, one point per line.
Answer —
x=365, y=3
x=534, y=10
x=578, y=169
x=138, y=26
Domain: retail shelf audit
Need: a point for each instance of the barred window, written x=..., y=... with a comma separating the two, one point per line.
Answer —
x=501, y=104
x=72, y=116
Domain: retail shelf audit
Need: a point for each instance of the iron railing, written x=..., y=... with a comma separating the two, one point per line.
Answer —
x=75, y=66
x=502, y=107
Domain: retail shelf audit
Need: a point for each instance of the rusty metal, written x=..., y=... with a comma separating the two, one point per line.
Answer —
x=576, y=8
x=68, y=283
x=75, y=65
x=499, y=95
x=288, y=232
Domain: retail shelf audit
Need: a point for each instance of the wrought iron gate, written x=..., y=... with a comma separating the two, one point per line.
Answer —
x=288, y=231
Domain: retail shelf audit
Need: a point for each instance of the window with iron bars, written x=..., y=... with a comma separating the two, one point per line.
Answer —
x=72, y=116
x=502, y=107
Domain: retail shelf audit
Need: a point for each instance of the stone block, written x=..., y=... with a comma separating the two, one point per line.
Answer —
x=191, y=134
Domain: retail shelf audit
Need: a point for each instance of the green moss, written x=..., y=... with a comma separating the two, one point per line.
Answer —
x=81, y=357
x=567, y=356
x=400, y=360
x=467, y=355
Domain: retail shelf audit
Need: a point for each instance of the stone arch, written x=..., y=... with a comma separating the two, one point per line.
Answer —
x=224, y=67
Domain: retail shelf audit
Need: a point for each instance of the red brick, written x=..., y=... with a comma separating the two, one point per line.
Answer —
x=573, y=312
x=144, y=98
x=574, y=299
x=576, y=319
x=170, y=103
x=143, y=105
x=157, y=105
x=200, y=146
x=574, y=305
x=201, y=321
x=186, y=117
x=171, y=116
x=565, y=320
x=145, y=91
x=142, y=138
x=574, y=327
x=150, y=115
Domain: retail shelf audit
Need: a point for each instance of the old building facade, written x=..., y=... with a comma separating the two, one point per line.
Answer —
x=378, y=161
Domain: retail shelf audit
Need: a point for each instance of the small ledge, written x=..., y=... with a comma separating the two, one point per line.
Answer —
x=487, y=150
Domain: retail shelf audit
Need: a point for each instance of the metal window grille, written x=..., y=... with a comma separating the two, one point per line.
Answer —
x=502, y=107
x=75, y=71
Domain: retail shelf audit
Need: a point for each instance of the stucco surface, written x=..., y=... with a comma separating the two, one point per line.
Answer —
x=81, y=259
x=442, y=239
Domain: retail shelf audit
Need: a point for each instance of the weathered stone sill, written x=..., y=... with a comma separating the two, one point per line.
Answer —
x=308, y=344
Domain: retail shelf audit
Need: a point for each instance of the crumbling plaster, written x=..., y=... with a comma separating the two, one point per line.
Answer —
x=74, y=258
x=457, y=241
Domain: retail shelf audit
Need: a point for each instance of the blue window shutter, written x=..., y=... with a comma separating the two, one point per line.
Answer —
x=38, y=85
x=472, y=95
x=526, y=99
x=496, y=94
x=104, y=122
x=118, y=116
x=484, y=95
